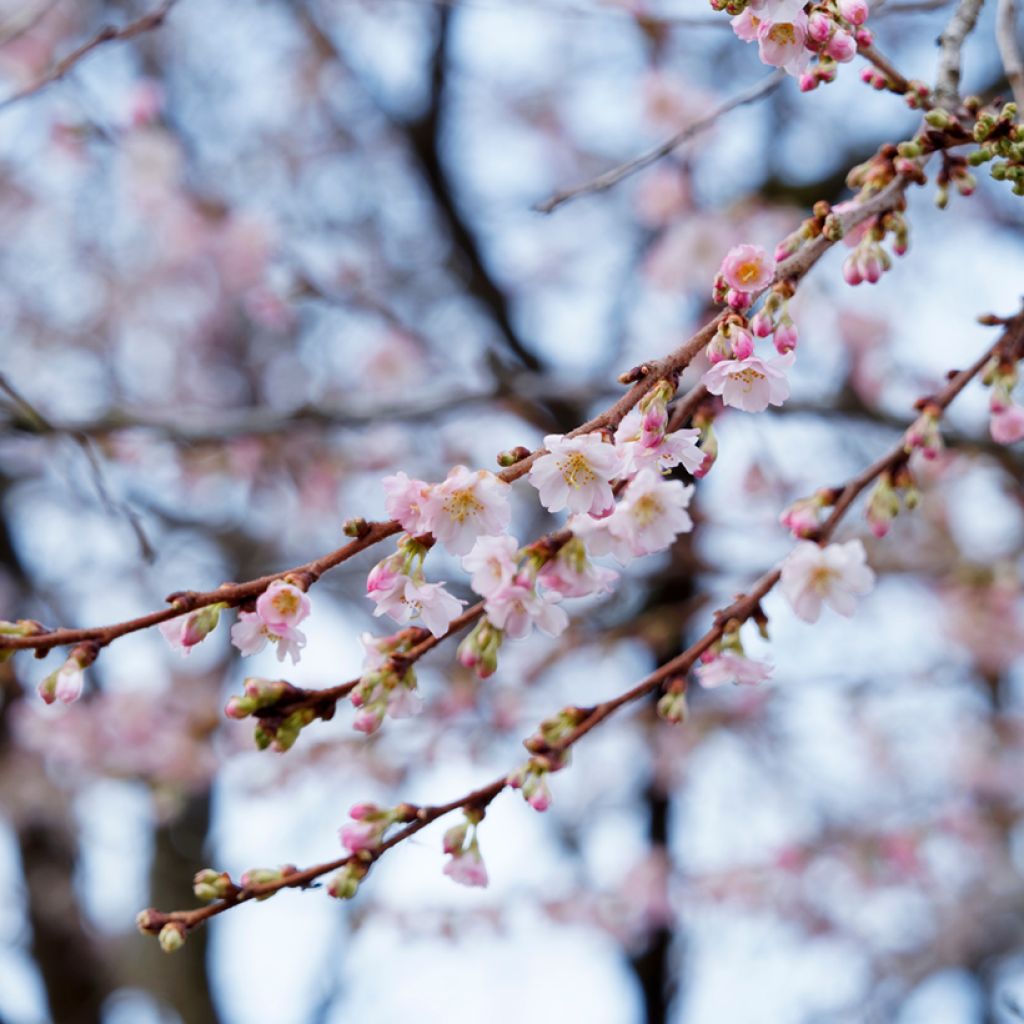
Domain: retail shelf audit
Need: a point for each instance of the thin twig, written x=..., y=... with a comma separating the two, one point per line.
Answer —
x=1009, y=50
x=107, y=34
x=951, y=42
x=28, y=414
x=616, y=174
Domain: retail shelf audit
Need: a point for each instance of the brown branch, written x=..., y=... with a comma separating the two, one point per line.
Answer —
x=1009, y=50
x=644, y=378
x=897, y=82
x=951, y=42
x=728, y=618
x=616, y=174
x=107, y=34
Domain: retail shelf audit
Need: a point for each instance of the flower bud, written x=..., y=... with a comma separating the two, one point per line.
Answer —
x=512, y=456
x=212, y=885
x=172, y=937
x=672, y=707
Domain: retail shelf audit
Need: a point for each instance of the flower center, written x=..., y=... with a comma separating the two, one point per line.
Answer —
x=748, y=376
x=647, y=509
x=460, y=505
x=576, y=470
x=822, y=577
x=286, y=603
x=783, y=33
x=749, y=271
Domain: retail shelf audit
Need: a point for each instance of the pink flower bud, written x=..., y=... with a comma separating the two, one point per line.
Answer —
x=742, y=343
x=871, y=268
x=762, y=324
x=737, y=300
x=851, y=270
x=808, y=83
x=842, y=47
x=1007, y=424
x=865, y=37
x=785, y=338
x=854, y=11
x=819, y=27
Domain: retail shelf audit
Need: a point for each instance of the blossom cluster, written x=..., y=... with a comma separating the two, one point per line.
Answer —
x=740, y=377
x=790, y=33
x=620, y=504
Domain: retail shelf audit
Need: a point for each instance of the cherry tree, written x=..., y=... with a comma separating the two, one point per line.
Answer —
x=539, y=481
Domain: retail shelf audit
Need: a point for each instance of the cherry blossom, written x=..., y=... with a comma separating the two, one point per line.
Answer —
x=781, y=43
x=467, y=867
x=282, y=604
x=250, y=635
x=405, y=500
x=466, y=506
x=572, y=574
x=517, y=607
x=492, y=562
x=729, y=667
x=1007, y=423
x=368, y=825
x=429, y=602
x=651, y=514
x=640, y=447
x=747, y=268
x=750, y=384
x=833, y=575
x=576, y=473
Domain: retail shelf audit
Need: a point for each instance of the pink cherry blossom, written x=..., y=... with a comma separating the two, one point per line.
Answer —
x=833, y=575
x=747, y=268
x=781, y=43
x=652, y=512
x=282, y=605
x=405, y=500
x=250, y=635
x=751, y=384
x=492, y=563
x=641, y=448
x=572, y=574
x=467, y=868
x=729, y=667
x=360, y=835
x=517, y=607
x=466, y=506
x=429, y=602
x=1007, y=424
x=576, y=473
x=745, y=25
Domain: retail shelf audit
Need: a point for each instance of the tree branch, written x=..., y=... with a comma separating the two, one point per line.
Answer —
x=643, y=377
x=951, y=42
x=107, y=34
x=744, y=607
x=616, y=174
x=1009, y=50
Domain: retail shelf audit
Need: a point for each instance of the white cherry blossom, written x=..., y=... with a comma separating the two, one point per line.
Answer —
x=750, y=384
x=576, y=473
x=834, y=575
x=467, y=505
